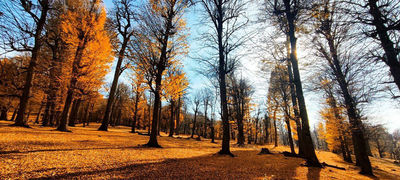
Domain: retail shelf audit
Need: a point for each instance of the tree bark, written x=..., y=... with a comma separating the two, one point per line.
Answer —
x=295, y=107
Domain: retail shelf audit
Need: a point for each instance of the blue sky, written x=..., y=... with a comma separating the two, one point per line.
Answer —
x=384, y=111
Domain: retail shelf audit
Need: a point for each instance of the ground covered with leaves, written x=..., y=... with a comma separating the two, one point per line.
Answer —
x=85, y=153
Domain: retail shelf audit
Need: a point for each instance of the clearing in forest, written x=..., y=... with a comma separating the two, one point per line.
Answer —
x=41, y=152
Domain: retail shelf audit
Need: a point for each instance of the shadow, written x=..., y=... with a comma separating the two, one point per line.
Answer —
x=79, y=149
x=247, y=165
x=314, y=173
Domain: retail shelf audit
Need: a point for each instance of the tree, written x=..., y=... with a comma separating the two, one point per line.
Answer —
x=290, y=11
x=175, y=85
x=224, y=16
x=334, y=34
x=122, y=17
x=83, y=26
x=159, y=40
x=279, y=92
x=196, y=106
x=380, y=138
x=379, y=22
x=138, y=89
x=206, y=98
x=23, y=31
x=337, y=130
x=57, y=48
x=240, y=92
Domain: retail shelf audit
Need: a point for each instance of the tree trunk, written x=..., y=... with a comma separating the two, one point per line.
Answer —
x=75, y=68
x=240, y=139
x=222, y=82
x=295, y=107
x=212, y=131
x=154, y=126
x=309, y=151
x=149, y=116
x=178, y=112
x=275, y=129
x=205, y=122
x=194, y=124
x=359, y=142
x=3, y=113
x=14, y=114
x=85, y=116
x=24, y=98
x=171, y=122
x=159, y=119
x=135, y=113
x=74, y=112
x=121, y=55
x=289, y=129
x=266, y=125
x=39, y=112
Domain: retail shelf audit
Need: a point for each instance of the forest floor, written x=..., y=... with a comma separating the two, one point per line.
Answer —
x=85, y=153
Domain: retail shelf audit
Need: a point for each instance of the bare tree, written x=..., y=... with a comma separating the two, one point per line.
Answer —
x=347, y=72
x=225, y=17
x=123, y=19
x=196, y=103
x=379, y=20
x=206, y=98
x=240, y=92
x=159, y=39
x=289, y=12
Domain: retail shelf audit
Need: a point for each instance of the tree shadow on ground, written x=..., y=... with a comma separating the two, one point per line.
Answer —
x=246, y=165
x=141, y=147
x=314, y=173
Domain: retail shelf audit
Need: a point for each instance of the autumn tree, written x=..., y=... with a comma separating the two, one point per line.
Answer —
x=138, y=90
x=175, y=85
x=22, y=31
x=11, y=84
x=83, y=29
x=337, y=129
x=279, y=93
